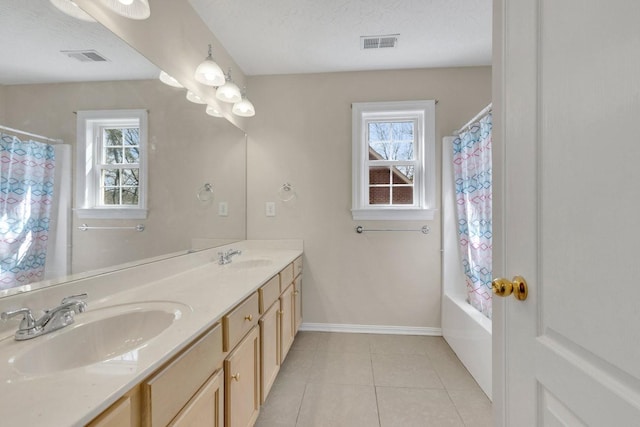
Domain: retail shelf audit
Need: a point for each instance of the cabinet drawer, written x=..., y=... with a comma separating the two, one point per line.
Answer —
x=118, y=415
x=169, y=390
x=238, y=322
x=297, y=266
x=269, y=293
x=286, y=277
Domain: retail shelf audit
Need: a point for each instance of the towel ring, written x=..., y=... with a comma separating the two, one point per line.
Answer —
x=205, y=193
x=286, y=192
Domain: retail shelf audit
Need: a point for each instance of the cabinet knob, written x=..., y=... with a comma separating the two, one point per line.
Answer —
x=296, y=292
x=280, y=312
x=249, y=317
x=236, y=376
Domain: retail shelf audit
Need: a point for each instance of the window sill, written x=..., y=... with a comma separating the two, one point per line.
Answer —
x=111, y=213
x=393, y=214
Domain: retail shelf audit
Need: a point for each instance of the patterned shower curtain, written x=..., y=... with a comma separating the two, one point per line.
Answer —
x=472, y=176
x=26, y=192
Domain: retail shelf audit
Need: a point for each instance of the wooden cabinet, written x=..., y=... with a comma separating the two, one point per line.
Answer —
x=269, y=349
x=286, y=277
x=287, y=327
x=240, y=320
x=169, y=390
x=269, y=293
x=206, y=408
x=242, y=382
x=297, y=304
x=117, y=415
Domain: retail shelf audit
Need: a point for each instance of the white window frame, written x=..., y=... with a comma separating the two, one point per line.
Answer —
x=423, y=114
x=89, y=125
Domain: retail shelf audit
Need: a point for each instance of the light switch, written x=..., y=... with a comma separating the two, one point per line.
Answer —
x=270, y=209
x=223, y=209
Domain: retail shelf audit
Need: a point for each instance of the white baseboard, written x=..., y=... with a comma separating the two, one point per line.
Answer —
x=371, y=329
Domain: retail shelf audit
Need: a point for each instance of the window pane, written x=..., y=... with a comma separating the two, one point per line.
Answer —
x=403, y=195
x=379, y=175
x=379, y=195
x=131, y=155
x=403, y=174
x=130, y=177
x=110, y=177
x=132, y=136
x=111, y=196
x=112, y=137
x=391, y=141
x=112, y=156
x=130, y=196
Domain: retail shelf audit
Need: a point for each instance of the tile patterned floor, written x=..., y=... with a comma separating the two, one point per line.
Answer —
x=358, y=380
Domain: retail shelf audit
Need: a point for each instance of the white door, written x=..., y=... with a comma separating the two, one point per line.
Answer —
x=567, y=212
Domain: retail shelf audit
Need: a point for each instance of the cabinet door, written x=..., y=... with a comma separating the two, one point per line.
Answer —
x=269, y=349
x=287, y=325
x=297, y=303
x=242, y=382
x=207, y=406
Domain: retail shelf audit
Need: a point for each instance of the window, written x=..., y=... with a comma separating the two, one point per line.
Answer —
x=111, y=168
x=393, y=160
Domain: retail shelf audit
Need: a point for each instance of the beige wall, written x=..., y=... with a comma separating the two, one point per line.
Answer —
x=186, y=149
x=302, y=135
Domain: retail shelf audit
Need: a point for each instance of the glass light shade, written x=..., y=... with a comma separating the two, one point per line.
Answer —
x=209, y=73
x=72, y=9
x=213, y=111
x=229, y=92
x=244, y=108
x=195, y=98
x=168, y=80
x=132, y=9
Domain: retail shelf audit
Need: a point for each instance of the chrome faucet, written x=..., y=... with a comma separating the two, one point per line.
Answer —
x=52, y=320
x=225, y=257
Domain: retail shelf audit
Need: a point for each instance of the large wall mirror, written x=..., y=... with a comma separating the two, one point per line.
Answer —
x=196, y=163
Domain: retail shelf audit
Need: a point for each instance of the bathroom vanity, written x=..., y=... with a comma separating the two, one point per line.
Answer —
x=197, y=343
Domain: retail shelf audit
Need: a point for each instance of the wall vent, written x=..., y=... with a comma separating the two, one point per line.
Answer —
x=85, y=55
x=379, y=42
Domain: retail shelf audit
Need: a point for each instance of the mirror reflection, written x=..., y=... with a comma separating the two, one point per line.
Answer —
x=59, y=70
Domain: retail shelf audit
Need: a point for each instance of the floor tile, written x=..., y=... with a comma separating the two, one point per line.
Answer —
x=342, y=368
x=338, y=405
x=416, y=407
x=399, y=344
x=309, y=341
x=453, y=374
x=283, y=404
x=473, y=406
x=297, y=365
x=404, y=370
x=345, y=343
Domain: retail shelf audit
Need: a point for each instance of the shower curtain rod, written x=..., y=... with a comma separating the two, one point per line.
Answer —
x=33, y=135
x=486, y=110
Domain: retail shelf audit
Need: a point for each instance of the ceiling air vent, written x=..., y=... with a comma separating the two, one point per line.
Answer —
x=378, y=42
x=85, y=55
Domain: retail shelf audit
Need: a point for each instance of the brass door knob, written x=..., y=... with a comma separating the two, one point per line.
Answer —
x=504, y=287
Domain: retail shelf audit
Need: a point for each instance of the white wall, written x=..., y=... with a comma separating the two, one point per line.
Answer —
x=302, y=135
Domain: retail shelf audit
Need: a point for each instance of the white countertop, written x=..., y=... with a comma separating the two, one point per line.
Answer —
x=74, y=397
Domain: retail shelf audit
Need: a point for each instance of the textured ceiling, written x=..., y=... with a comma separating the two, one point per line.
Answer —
x=32, y=34
x=309, y=36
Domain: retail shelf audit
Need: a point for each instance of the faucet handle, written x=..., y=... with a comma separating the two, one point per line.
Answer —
x=71, y=298
x=28, y=321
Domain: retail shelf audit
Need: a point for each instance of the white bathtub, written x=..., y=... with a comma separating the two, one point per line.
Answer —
x=467, y=331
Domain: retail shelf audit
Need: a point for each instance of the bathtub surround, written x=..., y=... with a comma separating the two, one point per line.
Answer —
x=353, y=282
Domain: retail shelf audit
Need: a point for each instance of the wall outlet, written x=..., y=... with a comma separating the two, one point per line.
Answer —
x=270, y=209
x=223, y=209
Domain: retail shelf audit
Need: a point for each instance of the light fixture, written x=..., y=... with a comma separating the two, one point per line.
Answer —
x=132, y=9
x=213, y=111
x=191, y=96
x=209, y=73
x=229, y=92
x=244, y=108
x=72, y=9
x=168, y=80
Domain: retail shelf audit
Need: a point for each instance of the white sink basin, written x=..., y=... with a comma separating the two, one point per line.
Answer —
x=252, y=263
x=97, y=336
